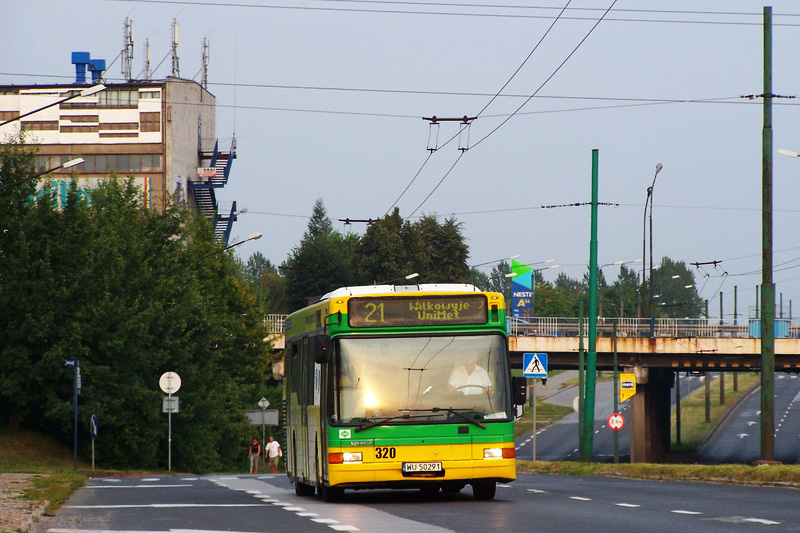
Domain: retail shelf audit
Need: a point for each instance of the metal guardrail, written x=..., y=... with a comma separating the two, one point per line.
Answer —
x=640, y=327
x=626, y=327
x=275, y=323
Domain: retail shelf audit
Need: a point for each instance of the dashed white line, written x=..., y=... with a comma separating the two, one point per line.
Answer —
x=631, y=505
x=580, y=498
x=325, y=520
x=762, y=521
x=681, y=511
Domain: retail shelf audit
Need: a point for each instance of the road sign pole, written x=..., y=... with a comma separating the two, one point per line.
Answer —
x=616, y=395
x=533, y=401
x=169, y=438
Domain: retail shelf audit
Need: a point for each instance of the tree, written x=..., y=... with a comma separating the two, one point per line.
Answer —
x=393, y=248
x=321, y=263
x=257, y=266
x=677, y=293
x=123, y=289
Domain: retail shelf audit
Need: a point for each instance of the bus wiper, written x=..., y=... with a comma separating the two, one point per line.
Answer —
x=378, y=422
x=457, y=413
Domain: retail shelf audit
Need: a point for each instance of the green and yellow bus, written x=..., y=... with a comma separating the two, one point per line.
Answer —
x=400, y=387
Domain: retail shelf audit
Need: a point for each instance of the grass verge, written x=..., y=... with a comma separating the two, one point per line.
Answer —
x=776, y=475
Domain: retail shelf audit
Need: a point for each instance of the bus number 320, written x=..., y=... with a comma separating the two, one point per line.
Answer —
x=385, y=452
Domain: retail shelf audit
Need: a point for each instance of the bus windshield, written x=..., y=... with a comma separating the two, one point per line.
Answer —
x=420, y=379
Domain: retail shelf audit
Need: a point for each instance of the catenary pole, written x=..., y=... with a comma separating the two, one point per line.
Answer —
x=767, y=286
x=591, y=356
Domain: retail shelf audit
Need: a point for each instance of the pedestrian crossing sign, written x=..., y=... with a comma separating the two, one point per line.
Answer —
x=534, y=365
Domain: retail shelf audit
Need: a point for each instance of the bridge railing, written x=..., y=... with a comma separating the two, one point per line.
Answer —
x=626, y=327
x=640, y=327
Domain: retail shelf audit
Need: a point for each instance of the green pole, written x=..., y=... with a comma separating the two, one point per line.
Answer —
x=591, y=356
x=616, y=396
x=581, y=377
x=767, y=286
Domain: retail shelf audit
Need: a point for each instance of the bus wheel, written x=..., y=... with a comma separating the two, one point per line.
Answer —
x=301, y=489
x=331, y=494
x=484, y=490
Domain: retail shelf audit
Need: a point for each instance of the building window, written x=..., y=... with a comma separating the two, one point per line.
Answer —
x=80, y=118
x=144, y=95
x=150, y=121
x=80, y=129
x=40, y=125
x=119, y=126
x=118, y=98
x=8, y=115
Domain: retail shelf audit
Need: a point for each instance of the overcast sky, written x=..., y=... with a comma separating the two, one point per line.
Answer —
x=326, y=99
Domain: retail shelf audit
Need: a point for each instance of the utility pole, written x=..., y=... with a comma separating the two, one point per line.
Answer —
x=591, y=356
x=767, y=286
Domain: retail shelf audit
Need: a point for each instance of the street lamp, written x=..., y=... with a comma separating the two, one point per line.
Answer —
x=252, y=237
x=85, y=92
x=68, y=164
x=620, y=264
x=472, y=267
x=533, y=285
x=649, y=200
x=408, y=277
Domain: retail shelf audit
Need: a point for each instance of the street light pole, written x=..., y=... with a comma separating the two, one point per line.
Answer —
x=68, y=164
x=659, y=166
x=85, y=92
x=252, y=237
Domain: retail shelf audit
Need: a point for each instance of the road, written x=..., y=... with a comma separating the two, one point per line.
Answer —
x=737, y=438
x=559, y=441
x=541, y=503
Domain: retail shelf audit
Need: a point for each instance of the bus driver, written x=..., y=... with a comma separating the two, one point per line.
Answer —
x=470, y=378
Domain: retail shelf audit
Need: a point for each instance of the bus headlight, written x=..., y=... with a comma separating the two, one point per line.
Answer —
x=492, y=453
x=351, y=457
x=499, y=453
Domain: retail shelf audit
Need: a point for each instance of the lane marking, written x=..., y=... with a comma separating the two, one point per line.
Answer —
x=344, y=528
x=535, y=491
x=307, y=514
x=150, y=479
x=294, y=509
x=325, y=520
x=681, y=511
x=165, y=505
x=762, y=521
x=631, y=505
x=580, y=498
x=138, y=486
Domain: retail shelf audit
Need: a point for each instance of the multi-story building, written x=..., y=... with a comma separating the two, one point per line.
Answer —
x=162, y=133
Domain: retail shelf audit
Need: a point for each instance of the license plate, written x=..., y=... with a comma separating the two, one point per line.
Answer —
x=422, y=467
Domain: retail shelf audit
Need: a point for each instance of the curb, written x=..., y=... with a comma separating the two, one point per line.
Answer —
x=34, y=518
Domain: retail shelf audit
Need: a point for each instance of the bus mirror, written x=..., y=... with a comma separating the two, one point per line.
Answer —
x=519, y=386
x=320, y=350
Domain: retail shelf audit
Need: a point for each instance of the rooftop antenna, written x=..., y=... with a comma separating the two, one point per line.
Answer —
x=147, y=59
x=127, y=49
x=176, y=69
x=204, y=81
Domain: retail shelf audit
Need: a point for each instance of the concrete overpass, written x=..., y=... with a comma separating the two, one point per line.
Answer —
x=677, y=345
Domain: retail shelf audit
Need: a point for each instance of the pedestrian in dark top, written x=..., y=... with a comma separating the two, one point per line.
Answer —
x=253, y=454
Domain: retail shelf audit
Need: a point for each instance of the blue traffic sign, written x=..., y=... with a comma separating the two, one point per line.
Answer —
x=534, y=365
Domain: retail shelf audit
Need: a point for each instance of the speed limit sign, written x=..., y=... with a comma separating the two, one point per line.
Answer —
x=616, y=421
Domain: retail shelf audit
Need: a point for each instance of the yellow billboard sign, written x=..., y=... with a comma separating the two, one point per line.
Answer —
x=627, y=386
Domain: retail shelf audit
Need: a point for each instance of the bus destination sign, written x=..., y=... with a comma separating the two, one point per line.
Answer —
x=393, y=311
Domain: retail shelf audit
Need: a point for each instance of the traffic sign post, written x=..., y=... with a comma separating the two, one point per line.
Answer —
x=94, y=436
x=76, y=389
x=169, y=382
x=616, y=421
x=627, y=386
x=263, y=403
x=534, y=365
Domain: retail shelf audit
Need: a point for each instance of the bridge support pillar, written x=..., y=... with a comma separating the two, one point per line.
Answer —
x=650, y=414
